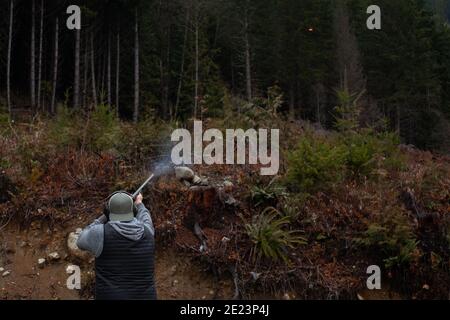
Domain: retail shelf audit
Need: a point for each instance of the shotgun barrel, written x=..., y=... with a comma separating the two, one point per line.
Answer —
x=143, y=186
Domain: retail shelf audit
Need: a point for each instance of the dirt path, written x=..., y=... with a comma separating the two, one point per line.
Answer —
x=177, y=277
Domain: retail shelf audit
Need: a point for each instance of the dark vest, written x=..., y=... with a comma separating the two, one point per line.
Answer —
x=124, y=270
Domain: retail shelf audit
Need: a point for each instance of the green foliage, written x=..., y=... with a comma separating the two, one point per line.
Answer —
x=98, y=131
x=63, y=131
x=270, y=236
x=348, y=111
x=392, y=236
x=315, y=164
x=364, y=146
x=274, y=99
x=409, y=86
x=267, y=195
x=367, y=150
x=102, y=129
x=319, y=163
x=4, y=119
x=4, y=116
x=29, y=154
x=404, y=256
x=213, y=100
x=292, y=205
x=360, y=153
x=393, y=158
x=4, y=164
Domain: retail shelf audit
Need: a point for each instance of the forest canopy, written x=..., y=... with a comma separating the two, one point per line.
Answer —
x=177, y=60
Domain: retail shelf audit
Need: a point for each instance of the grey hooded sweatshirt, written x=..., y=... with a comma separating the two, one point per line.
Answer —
x=91, y=238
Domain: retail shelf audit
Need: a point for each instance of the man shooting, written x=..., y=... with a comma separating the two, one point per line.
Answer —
x=122, y=241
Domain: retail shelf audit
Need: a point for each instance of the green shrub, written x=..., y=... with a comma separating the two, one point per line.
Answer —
x=366, y=150
x=63, y=130
x=267, y=195
x=5, y=128
x=360, y=152
x=292, y=205
x=4, y=119
x=5, y=164
x=274, y=99
x=404, y=256
x=270, y=236
x=348, y=111
x=103, y=130
x=392, y=236
x=98, y=131
x=315, y=164
x=364, y=146
x=394, y=159
x=31, y=151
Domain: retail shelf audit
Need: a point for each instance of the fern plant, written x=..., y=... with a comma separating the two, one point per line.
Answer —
x=267, y=195
x=271, y=237
x=392, y=236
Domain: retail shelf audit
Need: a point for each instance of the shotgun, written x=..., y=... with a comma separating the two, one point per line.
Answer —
x=143, y=186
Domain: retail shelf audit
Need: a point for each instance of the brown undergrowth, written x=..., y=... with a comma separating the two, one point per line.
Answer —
x=358, y=221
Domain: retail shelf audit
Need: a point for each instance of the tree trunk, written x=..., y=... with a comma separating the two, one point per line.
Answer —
x=319, y=93
x=232, y=76
x=55, y=66
x=8, y=64
x=118, y=71
x=94, y=90
x=196, y=68
x=85, y=70
x=183, y=54
x=41, y=33
x=161, y=83
x=136, y=68
x=291, y=102
x=102, y=76
x=165, y=93
x=248, y=68
x=32, y=58
x=108, y=80
x=348, y=58
x=76, y=83
x=162, y=30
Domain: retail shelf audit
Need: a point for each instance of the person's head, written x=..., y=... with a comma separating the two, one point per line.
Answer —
x=121, y=207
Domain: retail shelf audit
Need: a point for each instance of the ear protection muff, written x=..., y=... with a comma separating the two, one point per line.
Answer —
x=106, y=209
